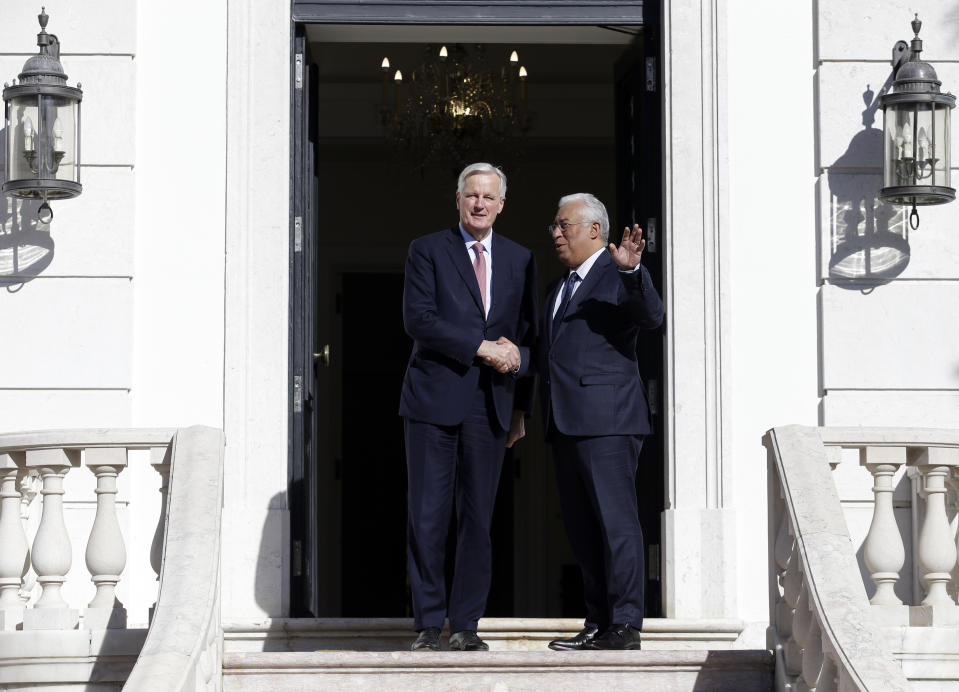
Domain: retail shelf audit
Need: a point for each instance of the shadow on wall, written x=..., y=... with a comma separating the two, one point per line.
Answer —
x=26, y=246
x=869, y=239
x=271, y=560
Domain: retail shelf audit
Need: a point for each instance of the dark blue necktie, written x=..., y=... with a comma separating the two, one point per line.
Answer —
x=564, y=301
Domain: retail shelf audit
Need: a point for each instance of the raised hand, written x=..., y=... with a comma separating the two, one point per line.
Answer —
x=630, y=250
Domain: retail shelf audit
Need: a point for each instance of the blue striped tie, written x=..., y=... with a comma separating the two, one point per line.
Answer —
x=564, y=301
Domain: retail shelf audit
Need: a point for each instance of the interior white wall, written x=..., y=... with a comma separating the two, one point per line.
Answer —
x=773, y=377
x=180, y=173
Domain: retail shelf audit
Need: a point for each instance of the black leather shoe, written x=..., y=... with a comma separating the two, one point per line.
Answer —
x=428, y=640
x=467, y=640
x=617, y=638
x=575, y=643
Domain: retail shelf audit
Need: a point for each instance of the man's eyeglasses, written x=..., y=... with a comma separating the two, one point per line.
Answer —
x=551, y=229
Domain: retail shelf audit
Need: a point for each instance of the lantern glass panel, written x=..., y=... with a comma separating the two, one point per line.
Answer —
x=23, y=138
x=60, y=136
x=941, y=147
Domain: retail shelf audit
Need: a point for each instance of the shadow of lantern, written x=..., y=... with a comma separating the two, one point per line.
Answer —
x=26, y=246
x=869, y=239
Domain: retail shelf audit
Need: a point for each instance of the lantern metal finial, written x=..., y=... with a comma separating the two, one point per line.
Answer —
x=916, y=168
x=43, y=127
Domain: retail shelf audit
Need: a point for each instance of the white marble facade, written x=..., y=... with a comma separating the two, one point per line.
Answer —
x=166, y=299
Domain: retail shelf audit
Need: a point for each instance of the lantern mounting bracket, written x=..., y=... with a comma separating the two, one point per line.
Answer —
x=900, y=54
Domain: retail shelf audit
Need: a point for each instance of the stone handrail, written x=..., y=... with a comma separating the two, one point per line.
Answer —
x=183, y=650
x=822, y=629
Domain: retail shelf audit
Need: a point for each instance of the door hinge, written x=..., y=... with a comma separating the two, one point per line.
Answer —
x=650, y=74
x=651, y=234
x=297, y=233
x=298, y=71
x=652, y=396
x=296, y=559
x=297, y=393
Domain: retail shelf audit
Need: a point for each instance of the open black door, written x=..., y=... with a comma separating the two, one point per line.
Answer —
x=304, y=345
x=639, y=195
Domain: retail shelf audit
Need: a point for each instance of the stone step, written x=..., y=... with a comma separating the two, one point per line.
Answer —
x=502, y=634
x=500, y=671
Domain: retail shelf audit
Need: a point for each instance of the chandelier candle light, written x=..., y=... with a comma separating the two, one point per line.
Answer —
x=916, y=120
x=453, y=107
x=43, y=128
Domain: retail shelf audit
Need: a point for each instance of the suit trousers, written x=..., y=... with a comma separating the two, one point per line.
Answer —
x=596, y=477
x=444, y=461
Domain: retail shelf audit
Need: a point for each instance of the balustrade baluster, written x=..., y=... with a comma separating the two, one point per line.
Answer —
x=801, y=621
x=937, y=547
x=792, y=592
x=812, y=658
x=883, y=549
x=828, y=676
x=160, y=460
x=952, y=510
x=52, y=553
x=783, y=549
x=106, y=555
x=14, y=550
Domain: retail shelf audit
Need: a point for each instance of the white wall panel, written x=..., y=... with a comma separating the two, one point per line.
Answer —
x=91, y=235
x=869, y=30
x=903, y=335
x=42, y=409
x=850, y=133
x=936, y=409
x=772, y=262
x=91, y=26
x=863, y=238
x=180, y=207
x=66, y=333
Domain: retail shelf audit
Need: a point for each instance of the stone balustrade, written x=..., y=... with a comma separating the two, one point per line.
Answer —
x=823, y=631
x=46, y=636
x=925, y=463
x=34, y=468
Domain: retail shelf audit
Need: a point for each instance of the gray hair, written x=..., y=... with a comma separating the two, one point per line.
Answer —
x=475, y=168
x=594, y=211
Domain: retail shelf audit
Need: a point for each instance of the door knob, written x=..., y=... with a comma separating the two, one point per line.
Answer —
x=323, y=356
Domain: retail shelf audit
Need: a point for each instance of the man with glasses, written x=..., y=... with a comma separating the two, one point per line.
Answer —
x=596, y=414
x=468, y=295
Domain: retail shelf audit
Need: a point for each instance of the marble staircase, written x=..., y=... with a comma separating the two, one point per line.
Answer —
x=334, y=654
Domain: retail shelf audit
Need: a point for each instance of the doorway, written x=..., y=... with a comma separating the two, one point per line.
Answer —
x=586, y=113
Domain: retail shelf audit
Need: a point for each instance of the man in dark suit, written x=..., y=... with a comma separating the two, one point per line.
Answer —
x=596, y=414
x=469, y=296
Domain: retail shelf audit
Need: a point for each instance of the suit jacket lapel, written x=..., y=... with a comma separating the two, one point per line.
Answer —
x=586, y=286
x=501, y=274
x=460, y=258
x=548, y=307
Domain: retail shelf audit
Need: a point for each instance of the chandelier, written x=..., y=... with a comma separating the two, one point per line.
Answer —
x=453, y=108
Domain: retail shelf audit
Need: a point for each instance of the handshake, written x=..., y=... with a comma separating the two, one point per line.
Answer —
x=502, y=354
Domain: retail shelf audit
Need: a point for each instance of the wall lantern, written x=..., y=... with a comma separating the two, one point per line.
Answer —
x=43, y=128
x=916, y=120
